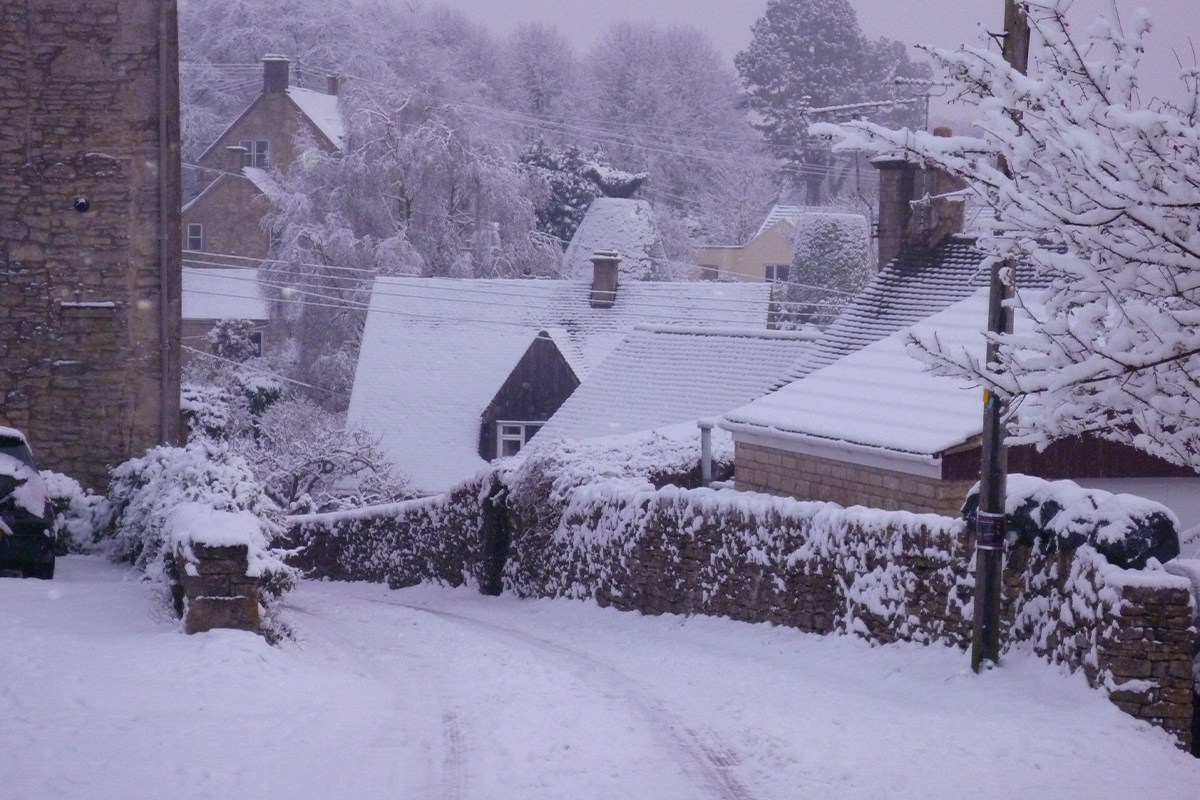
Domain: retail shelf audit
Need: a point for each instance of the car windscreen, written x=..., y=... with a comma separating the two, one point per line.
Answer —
x=12, y=446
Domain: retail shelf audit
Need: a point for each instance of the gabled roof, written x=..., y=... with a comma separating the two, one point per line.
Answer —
x=436, y=350
x=663, y=375
x=229, y=293
x=260, y=179
x=880, y=397
x=624, y=225
x=792, y=215
x=322, y=110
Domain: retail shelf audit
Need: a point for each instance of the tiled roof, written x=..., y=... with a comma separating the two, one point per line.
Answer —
x=436, y=350
x=913, y=286
x=323, y=110
x=218, y=293
x=665, y=375
x=881, y=397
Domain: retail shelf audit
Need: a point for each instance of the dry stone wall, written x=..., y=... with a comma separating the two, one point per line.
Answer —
x=883, y=576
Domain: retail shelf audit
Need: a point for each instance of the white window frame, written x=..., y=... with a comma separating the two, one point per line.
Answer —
x=771, y=273
x=257, y=152
x=195, y=236
x=528, y=429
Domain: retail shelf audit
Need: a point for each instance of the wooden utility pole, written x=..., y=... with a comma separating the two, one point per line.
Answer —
x=989, y=520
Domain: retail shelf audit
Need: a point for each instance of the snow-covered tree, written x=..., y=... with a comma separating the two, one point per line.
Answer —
x=811, y=54
x=830, y=264
x=1102, y=195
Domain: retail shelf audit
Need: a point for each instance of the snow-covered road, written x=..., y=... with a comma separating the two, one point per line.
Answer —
x=442, y=694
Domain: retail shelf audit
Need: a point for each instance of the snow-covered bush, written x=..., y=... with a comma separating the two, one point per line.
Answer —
x=230, y=339
x=78, y=513
x=1126, y=529
x=143, y=492
x=830, y=264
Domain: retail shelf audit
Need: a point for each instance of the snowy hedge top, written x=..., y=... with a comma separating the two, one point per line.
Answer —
x=624, y=225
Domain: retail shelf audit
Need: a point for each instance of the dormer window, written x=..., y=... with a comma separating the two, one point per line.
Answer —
x=512, y=436
x=256, y=152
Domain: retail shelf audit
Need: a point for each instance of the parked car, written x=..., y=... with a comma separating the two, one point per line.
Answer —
x=26, y=519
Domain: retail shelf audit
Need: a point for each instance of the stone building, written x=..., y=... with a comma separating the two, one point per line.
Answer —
x=89, y=221
x=226, y=217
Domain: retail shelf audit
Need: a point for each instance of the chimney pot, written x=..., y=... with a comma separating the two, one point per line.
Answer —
x=275, y=73
x=332, y=84
x=604, y=278
x=236, y=159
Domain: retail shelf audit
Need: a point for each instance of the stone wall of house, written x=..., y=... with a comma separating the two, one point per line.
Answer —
x=779, y=472
x=231, y=213
x=884, y=576
x=82, y=221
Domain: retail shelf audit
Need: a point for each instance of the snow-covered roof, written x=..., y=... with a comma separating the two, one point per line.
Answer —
x=323, y=110
x=880, y=397
x=436, y=350
x=624, y=225
x=262, y=180
x=663, y=375
x=916, y=284
x=222, y=293
x=792, y=214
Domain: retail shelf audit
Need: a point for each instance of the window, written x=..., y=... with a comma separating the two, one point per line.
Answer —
x=777, y=273
x=256, y=152
x=512, y=436
x=256, y=341
x=195, y=236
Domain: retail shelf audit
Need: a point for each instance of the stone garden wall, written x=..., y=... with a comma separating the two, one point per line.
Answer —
x=883, y=576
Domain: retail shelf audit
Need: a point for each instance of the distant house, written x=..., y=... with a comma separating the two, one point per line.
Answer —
x=212, y=295
x=858, y=421
x=666, y=375
x=766, y=257
x=454, y=373
x=225, y=218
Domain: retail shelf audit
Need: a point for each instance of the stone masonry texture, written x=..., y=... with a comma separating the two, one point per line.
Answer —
x=779, y=472
x=81, y=353
x=885, y=577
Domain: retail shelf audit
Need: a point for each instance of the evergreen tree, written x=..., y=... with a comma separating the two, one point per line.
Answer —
x=811, y=54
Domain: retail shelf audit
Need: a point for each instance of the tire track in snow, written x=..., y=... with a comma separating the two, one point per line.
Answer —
x=453, y=764
x=701, y=755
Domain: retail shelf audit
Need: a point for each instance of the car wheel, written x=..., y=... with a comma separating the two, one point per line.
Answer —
x=44, y=571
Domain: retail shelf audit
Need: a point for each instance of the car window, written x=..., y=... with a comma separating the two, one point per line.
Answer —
x=11, y=446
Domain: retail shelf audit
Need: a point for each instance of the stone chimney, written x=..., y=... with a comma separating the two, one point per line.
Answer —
x=235, y=159
x=332, y=84
x=906, y=218
x=275, y=73
x=604, y=278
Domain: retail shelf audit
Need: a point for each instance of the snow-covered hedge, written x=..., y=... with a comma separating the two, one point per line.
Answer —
x=79, y=514
x=145, y=492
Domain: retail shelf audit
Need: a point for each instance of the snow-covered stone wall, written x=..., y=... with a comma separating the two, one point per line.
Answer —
x=554, y=527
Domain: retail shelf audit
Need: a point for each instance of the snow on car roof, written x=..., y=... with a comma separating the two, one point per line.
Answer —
x=662, y=375
x=13, y=433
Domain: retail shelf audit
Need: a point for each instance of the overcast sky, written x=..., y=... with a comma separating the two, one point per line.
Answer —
x=943, y=23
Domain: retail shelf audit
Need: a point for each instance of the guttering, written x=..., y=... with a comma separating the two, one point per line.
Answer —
x=924, y=465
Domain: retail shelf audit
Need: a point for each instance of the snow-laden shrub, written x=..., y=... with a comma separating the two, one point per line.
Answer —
x=143, y=492
x=830, y=264
x=78, y=513
x=1126, y=529
x=230, y=339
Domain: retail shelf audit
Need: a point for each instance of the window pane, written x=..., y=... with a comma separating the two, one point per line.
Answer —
x=781, y=273
x=510, y=430
x=509, y=447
